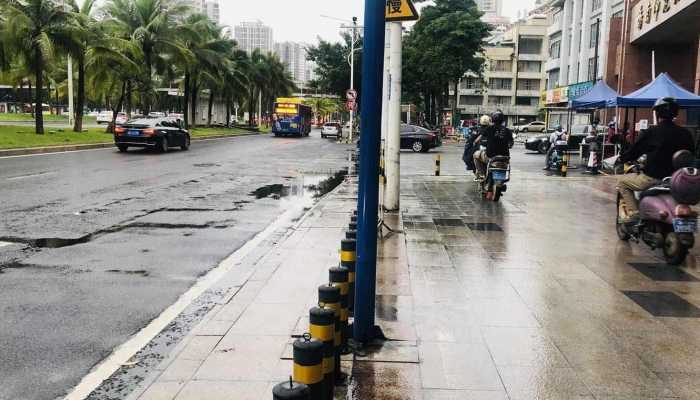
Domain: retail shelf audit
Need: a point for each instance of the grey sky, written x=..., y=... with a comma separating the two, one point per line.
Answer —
x=301, y=20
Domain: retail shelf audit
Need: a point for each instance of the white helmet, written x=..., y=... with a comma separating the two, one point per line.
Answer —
x=485, y=120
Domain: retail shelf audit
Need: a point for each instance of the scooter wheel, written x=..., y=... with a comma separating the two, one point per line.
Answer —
x=675, y=252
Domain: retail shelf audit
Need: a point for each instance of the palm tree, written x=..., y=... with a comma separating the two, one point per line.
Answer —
x=88, y=26
x=33, y=31
x=152, y=25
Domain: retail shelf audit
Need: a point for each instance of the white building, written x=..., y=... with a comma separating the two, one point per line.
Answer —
x=578, y=40
x=293, y=56
x=494, y=7
x=254, y=35
x=208, y=7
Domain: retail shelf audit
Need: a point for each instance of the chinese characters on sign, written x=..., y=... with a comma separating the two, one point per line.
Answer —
x=400, y=10
x=651, y=9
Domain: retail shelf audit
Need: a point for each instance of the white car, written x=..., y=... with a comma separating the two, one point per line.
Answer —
x=331, y=129
x=105, y=117
x=535, y=126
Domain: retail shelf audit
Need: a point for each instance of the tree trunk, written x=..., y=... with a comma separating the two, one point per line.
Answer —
x=78, y=127
x=187, y=100
x=210, y=107
x=115, y=110
x=39, y=97
x=228, y=112
x=456, y=105
x=195, y=91
x=129, y=90
x=251, y=106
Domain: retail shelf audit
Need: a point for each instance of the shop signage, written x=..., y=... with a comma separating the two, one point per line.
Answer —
x=649, y=14
x=567, y=93
x=579, y=89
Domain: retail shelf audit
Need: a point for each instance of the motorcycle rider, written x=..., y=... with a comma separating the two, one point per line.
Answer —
x=659, y=143
x=558, y=134
x=498, y=142
x=471, y=147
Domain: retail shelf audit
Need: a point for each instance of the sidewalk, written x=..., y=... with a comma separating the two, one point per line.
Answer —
x=530, y=298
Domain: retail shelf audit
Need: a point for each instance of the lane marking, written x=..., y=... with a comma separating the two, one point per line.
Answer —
x=123, y=353
x=3, y=244
x=15, y=178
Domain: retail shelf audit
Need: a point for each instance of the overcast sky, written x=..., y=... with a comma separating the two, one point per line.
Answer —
x=301, y=20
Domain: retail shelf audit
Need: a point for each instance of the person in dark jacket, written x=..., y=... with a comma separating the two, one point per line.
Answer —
x=498, y=138
x=659, y=143
x=470, y=148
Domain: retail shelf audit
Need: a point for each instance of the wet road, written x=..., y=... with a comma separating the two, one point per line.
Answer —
x=95, y=244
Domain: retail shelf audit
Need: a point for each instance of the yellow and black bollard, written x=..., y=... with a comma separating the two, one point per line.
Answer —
x=339, y=278
x=308, y=365
x=322, y=327
x=329, y=297
x=565, y=165
x=350, y=234
x=348, y=256
x=291, y=391
x=437, y=165
x=352, y=226
x=353, y=218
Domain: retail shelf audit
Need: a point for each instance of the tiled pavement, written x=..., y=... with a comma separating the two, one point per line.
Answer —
x=531, y=298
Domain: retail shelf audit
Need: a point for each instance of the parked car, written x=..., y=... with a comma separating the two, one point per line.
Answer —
x=331, y=129
x=156, y=114
x=157, y=133
x=419, y=139
x=105, y=117
x=540, y=143
x=535, y=126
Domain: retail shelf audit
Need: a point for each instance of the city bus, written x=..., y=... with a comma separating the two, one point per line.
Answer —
x=291, y=117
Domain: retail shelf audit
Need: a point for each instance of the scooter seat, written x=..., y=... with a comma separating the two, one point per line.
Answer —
x=500, y=158
x=655, y=191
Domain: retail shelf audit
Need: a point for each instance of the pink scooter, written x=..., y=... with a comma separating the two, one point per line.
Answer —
x=667, y=220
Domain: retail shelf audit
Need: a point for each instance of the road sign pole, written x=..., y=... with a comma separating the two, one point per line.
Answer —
x=368, y=197
x=393, y=139
x=387, y=83
x=352, y=75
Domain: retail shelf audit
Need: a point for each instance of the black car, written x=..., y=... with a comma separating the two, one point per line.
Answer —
x=157, y=133
x=419, y=139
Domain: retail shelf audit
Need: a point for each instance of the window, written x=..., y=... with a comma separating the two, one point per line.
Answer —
x=594, y=35
x=553, y=79
x=555, y=46
x=527, y=101
x=530, y=45
x=557, y=17
x=470, y=100
x=500, y=84
x=528, y=84
x=499, y=100
x=529, y=66
x=618, y=14
x=470, y=83
x=570, y=46
x=501, y=65
x=592, y=69
x=596, y=4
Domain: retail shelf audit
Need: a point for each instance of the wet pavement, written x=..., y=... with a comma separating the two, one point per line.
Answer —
x=96, y=244
x=530, y=298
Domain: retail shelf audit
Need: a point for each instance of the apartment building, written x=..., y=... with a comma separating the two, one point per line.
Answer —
x=293, y=56
x=578, y=40
x=514, y=74
x=208, y=7
x=254, y=35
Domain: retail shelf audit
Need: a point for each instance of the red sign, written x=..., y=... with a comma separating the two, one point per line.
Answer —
x=350, y=105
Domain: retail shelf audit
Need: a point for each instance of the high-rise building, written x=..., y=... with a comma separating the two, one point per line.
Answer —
x=208, y=7
x=494, y=7
x=254, y=35
x=293, y=56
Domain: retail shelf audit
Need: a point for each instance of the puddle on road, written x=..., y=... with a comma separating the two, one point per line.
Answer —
x=302, y=189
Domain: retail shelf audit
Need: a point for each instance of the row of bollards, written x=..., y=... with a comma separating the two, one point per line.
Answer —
x=316, y=369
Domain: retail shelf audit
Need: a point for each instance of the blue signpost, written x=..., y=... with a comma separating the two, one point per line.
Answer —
x=368, y=197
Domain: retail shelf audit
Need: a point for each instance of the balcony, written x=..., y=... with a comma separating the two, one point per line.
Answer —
x=552, y=64
x=528, y=93
x=530, y=75
x=500, y=92
x=507, y=109
x=531, y=57
x=554, y=28
x=499, y=74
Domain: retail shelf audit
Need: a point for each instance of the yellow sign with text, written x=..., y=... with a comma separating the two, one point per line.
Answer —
x=400, y=10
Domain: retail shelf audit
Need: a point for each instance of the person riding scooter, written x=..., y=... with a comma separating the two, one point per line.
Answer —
x=659, y=144
x=559, y=134
x=470, y=148
x=498, y=142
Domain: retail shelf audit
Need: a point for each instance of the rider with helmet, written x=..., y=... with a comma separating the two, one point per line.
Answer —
x=471, y=147
x=498, y=142
x=559, y=134
x=659, y=143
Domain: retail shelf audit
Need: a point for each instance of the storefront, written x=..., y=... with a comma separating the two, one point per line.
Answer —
x=556, y=103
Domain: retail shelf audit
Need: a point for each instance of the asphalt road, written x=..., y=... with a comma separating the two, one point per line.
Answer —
x=95, y=244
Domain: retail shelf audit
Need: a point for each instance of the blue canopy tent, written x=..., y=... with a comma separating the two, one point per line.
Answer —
x=662, y=86
x=598, y=97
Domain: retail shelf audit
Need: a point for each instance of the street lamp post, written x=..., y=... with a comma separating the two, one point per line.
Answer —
x=352, y=74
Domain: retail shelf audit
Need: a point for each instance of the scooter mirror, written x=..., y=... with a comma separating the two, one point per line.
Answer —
x=683, y=159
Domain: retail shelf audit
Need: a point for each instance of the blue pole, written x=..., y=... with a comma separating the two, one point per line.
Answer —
x=368, y=197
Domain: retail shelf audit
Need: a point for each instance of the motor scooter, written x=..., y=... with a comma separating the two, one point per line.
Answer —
x=559, y=160
x=666, y=219
x=494, y=185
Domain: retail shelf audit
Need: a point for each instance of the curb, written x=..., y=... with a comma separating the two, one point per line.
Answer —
x=95, y=146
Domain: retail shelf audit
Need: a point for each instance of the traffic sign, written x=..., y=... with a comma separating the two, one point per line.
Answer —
x=351, y=94
x=400, y=10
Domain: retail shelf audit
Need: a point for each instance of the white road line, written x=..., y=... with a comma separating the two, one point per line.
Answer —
x=126, y=351
x=55, y=153
x=15, y=178
x=3, y=244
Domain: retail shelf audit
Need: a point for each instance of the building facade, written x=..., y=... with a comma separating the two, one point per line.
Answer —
x=208, y=7
x=578, y=40
x=494, y=7
x=293, y=56
x=254, y=35
x=514, y=75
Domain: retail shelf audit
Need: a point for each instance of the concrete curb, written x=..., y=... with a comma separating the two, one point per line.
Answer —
x=94, y=146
